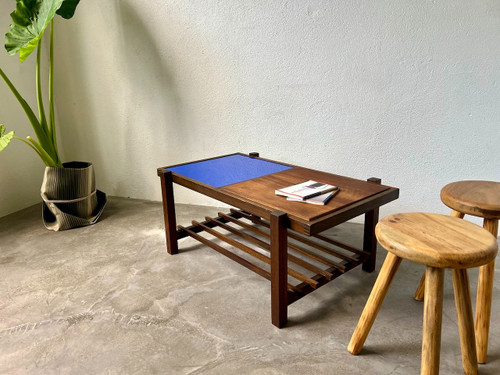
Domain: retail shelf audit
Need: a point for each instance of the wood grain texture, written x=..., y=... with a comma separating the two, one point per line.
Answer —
x=279, y=265
x=436, y=240
x=483, y=309
x=372, y=307
x=257, y=197
x=369, y=239
x=260, y=191
x=433, y=309
x=419, y=293
x=478, y=198
x=169, y=218
x=465, y=321
x=458, y=214
x=266, y=246
x=484, y=299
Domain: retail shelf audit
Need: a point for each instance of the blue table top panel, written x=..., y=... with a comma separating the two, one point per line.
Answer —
x=228, y=170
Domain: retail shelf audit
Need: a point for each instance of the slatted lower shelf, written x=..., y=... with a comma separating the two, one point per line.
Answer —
x=245, y=238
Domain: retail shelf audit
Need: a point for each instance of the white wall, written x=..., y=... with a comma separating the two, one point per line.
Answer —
x=21, y=170
x=403, y=90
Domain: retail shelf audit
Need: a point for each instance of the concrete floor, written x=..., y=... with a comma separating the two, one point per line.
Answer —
x=109, y=299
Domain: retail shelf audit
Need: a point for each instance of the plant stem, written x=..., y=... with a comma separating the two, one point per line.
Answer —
x=48, y=160
x=52, y=121
x=45, y=142
x=39, y=98
x=43, y=155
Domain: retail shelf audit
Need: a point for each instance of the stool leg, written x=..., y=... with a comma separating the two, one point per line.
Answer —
x=483, y=301
x=372, y=307
x=419, y=293
x=433, y=309
x=458, y=214
x=465, y=321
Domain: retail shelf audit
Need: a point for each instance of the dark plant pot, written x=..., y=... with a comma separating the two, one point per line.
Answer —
x=70, y=198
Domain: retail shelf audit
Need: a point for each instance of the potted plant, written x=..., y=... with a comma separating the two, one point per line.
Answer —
x=68, y=189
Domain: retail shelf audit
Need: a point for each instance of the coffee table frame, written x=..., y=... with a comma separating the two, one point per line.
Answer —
x=286, y=245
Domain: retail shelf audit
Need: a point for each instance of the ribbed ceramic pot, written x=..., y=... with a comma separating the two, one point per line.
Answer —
x=70, y=198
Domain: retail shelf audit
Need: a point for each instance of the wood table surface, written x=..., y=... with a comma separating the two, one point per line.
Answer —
x=257, y=196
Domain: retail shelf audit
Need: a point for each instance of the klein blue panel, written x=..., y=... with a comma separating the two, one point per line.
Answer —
x=228, y=170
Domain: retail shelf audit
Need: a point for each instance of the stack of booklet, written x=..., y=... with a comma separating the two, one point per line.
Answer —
x=312, y=192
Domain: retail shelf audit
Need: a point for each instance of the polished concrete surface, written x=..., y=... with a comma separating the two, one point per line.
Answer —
x=109, y=299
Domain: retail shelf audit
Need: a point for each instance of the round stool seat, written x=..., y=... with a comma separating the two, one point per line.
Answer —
x=477, y=198
x=436, y=240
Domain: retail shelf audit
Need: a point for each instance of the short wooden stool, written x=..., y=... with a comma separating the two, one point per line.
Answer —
x=482, y=199
x=438, y=242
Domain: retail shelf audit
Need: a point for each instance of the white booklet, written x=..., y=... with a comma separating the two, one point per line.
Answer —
x=319, y=200
x=305, y=190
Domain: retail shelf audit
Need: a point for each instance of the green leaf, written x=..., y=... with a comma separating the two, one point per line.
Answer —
x=24, y=13
x=29, y=21
x=67, y=9
x=5, y=139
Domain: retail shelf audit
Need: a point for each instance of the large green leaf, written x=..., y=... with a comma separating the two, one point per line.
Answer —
x=5, y=139
x=67, y=9
x=29, y=21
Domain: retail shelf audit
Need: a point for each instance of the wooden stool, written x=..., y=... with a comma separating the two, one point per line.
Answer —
x=438, y=242
x=477, y=198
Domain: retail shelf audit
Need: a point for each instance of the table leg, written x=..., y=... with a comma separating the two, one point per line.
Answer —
x=369, y=239
x=279, y=267
x=484, y=296
x=167, y=191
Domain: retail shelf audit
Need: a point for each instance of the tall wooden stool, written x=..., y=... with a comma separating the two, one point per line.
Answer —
x=438, y=242
x=482, y=199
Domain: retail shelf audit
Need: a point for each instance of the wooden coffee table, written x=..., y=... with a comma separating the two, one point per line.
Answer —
x=278, y=239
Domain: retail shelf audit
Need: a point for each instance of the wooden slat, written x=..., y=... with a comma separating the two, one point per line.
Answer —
x=262, y=272
x=322, y=248
x=234, y=243
x=267, y=246
x=227, y=253
x=196, y=229
x=242, y=224
x=299, y=249
x=256, y=254
x=306, y=289
x=298, y=237
x=296, y=292
x=316, y=257
x=341, y=245
x=240, y=233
